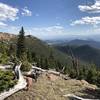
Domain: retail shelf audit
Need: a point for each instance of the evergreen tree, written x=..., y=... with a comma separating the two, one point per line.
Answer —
x=12, y=50
x=46, y=66
x=58, y=66
x=3, y=48
x=52, y=63
x=41, y=62
x=51, y=55
x=29, y=56
x=98, y=78
x=92, y=75
x=34, y=58
x=38, y=62
x=21, y=51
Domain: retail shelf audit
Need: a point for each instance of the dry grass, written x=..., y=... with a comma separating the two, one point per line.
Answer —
x=45, y=89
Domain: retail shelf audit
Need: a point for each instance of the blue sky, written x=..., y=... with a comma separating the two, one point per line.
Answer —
x=48, y=19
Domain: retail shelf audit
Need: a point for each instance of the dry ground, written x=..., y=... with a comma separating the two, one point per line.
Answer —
x=54, y=89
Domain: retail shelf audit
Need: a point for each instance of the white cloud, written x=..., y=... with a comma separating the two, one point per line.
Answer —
x=2, y=24
x=47, y=32
x=40, y=32
x=95, y=8
x=8, y=12
x=87, y=20
x=26, y=12
x=11, y=29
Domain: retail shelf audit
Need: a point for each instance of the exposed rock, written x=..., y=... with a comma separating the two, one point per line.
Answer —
x=29, y=82
x=52, y=77
x=84, y=82
x=6, y=36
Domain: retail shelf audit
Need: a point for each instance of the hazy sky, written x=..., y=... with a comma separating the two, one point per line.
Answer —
x=50, y=18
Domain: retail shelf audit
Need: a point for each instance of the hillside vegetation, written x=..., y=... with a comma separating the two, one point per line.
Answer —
x=42, y=49
x=40, y=52
x=6, y=80
x=85, y=53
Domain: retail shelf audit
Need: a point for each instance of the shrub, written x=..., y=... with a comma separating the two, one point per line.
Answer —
x=4, y=59
x=6, y=80
x=98, y=79
x=26, y=66
x=72, y=73
x=92, y=76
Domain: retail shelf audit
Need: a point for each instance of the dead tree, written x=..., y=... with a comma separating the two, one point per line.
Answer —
x=75, y=62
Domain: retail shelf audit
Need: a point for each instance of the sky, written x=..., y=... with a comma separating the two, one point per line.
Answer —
x=50, y=19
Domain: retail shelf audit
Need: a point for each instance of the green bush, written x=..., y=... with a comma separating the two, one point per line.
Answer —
x=26, y=66
x=92, y=76
x=6, y=80
x=72, y=73
x=4, y=59
x=98, y=79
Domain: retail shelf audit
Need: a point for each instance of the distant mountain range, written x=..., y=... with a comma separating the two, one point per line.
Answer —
x=76, y=42
x=84, y=53
x=68, y=38
x=79, y=42
x=85, y=50
x=56, y=42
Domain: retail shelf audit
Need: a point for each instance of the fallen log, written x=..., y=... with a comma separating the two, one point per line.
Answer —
x=53, y=72
x=37, y=68
x=74, y=97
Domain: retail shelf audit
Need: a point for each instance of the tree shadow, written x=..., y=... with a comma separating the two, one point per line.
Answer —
x=91, y=93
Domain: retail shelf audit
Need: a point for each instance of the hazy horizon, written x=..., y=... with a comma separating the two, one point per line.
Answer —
x=51, y=19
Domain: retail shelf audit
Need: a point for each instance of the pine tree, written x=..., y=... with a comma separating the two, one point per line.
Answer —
x=46, y=66
x=21, y=51
x=51, y=56
x=52, y=63
x=38, y=62
x=34, y=57
x=29, y=56
x=41, y=62
x=12, y=50
x=98, y=79
x=58, y=66
x=92, y=75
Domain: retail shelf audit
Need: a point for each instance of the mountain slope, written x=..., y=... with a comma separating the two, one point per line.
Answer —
x=42, y=49
x=85, y=53
x=79, y=42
